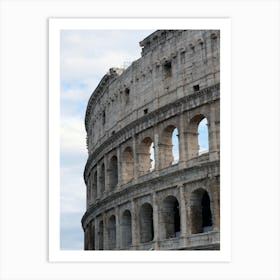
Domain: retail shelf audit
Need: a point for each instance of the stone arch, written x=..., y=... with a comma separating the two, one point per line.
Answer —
x=126, y=229
x=201, y=214
x=113, y=172
x=146, y=223
x=170, y=217
x=112, y=232
x=101, y=236
x=169, y=146
x=146, y=156
x=127, y=165
x=194, y=138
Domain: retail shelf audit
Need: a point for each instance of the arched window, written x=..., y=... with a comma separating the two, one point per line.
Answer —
x=113, y=172
x=146, y=156
x=112, y=232
x=201, y=215
x=101, y=236
x=203, y=142
x=146, y=223
x=169, y=146
x=152, y=156
x=170, y=218
x=175, y=146
x=102, y=178
x=126, y=229
x=127, y=165
x=197, y=140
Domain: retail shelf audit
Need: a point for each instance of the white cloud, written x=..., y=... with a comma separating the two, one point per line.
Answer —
x=72, y=135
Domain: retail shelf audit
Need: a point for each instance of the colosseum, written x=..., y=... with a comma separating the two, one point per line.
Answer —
x=140, y=196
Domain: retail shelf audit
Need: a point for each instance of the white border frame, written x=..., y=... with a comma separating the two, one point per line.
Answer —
x=57, y=255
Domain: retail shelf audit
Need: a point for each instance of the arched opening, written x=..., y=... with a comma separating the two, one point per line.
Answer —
x=169, y=146
x=146, y=223
x=127, y=165
x=94, y=187
x=101, y=235
x=175, y=146
x=112, y=232
x=198, y=142
x=126, y=229
x=203, y=142
x=113, y=172
x=102, y=178
x=146, y=156
x=170, y=218
x=201, y=215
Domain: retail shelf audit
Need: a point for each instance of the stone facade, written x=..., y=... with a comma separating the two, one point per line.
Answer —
x=139, y=202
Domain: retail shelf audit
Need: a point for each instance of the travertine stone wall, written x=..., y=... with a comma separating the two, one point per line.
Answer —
x=139, y=202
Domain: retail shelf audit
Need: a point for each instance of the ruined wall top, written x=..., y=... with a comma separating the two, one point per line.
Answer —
x=173, y=64
x=156, y=39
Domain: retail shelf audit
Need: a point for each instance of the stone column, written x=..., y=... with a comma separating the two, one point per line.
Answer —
x=183, y=213
x=216, y=205
x=92, y=198
x=92, y=235
x=96, y=234
x=119, y=167
x=135, y=158
x=213, y=147
x=188, y=211
x=106, y=177
x=182, y=139
x=86, y=238
x=118, y=228
x=156, y=220
x=156, y=149
x=105, y=232
x=135, y=225
x=98, y=181
x=88, y=190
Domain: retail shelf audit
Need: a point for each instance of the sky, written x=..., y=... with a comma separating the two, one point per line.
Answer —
x=85, y=57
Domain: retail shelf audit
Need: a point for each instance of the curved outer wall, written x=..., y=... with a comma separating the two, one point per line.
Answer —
x=136, y=204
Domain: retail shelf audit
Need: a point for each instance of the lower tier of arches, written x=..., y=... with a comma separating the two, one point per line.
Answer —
x=159, y=216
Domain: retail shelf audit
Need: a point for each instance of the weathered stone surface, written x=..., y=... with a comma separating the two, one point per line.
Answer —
x=133, y=204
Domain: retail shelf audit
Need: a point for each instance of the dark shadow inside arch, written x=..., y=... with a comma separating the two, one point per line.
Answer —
x=113, y=172
x=146, y=223
x=201, y=215
x=170, y=217
x=126, y=229
x=112, y=232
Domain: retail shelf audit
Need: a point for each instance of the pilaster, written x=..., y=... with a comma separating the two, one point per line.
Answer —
x=155, y=220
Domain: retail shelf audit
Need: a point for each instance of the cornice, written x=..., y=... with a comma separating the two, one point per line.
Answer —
x=184, y=174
